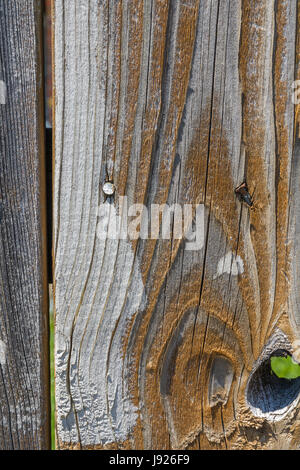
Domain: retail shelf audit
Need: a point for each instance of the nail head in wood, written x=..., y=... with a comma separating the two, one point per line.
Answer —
x=109, y=189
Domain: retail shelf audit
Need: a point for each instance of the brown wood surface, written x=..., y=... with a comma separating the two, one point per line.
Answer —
x=24, y=361
x=159, y=347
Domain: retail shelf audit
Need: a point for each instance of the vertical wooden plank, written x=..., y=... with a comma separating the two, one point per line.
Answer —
x=24, y=358
x=159, y=346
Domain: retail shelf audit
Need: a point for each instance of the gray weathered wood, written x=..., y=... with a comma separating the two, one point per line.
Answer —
x=176, y=102
x=24, y=361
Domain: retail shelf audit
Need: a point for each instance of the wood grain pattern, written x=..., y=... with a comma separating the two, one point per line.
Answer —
x=157, y=346
x=24, y=394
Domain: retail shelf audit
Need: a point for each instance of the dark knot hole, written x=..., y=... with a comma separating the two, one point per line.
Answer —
x=269, y=393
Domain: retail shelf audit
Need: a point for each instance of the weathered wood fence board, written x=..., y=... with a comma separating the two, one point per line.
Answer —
x=24, y=359
x=159, y=346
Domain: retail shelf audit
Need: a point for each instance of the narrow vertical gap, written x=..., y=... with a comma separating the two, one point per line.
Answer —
x=48, y=124
x=297, y=73
x=47, y=36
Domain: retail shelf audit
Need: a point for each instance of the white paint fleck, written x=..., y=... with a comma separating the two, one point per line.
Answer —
x=2, y=92
x=230, y=264
x=296, y=350
x=2, y=353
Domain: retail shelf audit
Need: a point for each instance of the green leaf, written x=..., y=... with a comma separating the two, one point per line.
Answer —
x=285, y=367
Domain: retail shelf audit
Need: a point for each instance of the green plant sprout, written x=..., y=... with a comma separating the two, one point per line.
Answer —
x=285, y=367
